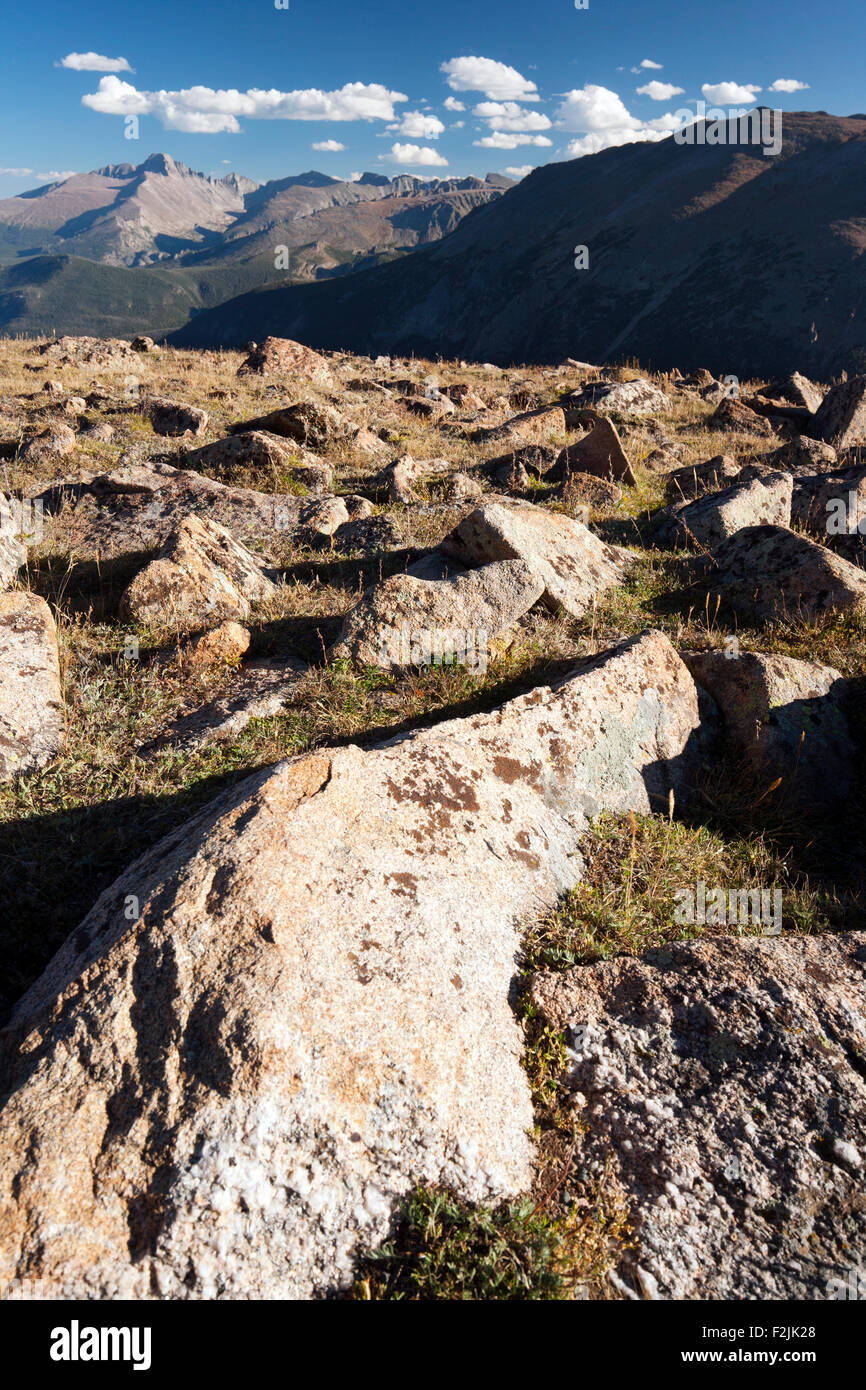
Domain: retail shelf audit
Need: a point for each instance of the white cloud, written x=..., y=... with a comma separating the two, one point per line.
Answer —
x=354, y=176
x=204, y=110
x=660, y=91
x=787, y=84
x=457, y=125
x=94, y=62
x=452, y=104
x=499, y=140
x=594, y=108
x=728, y=93
x=519, y=171
x=648, y=63
x=17, y=173
x=602, y=120
x=413, y=154
x=507, y=115
x=496, y=80
x=327, y=146
x=418, y=126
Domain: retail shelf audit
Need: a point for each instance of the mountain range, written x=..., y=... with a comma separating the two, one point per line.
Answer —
x=131, y=248
x=714, y=255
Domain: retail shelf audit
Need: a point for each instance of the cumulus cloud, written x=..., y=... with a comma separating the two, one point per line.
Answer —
x=507, y=115
x=728, y=93
x=17, y=173
x=94, y=62
x=660, y=91
x=602, y=119
x=202, y=110
x=418, y=126
x=413, y=154
x=452, y=104
x=648, y=63
x=500, y=140
x=787, y=84
x=496, y=80
x=327, y=146
x=519, y=171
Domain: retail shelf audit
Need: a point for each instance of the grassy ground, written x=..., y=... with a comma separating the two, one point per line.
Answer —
x=67, y=831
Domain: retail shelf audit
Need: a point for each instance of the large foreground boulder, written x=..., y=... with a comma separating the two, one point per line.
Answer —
x=723, y=1084
x=297, y=1006
x=31, y=698
x=574, y=565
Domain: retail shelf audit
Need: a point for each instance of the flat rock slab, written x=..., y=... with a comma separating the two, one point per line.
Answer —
x=723, y=1080
x=201, y=576
x=787, y=718
x=258, y=691
x=400, y=622
x=296, y=1006
x=574, y=564
x=136, y=507
x=532, y=427
x=772, y=573
x=262, y=451
x=763, y=500
x=638, y=397
x=31, y=697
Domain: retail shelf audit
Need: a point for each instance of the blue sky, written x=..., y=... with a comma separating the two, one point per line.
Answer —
x=536, y=82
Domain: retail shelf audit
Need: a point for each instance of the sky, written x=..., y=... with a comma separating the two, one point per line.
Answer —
x=269, y=88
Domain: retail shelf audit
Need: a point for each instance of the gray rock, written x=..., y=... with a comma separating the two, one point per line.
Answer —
x=201, y=576
x=31, y=697
x=785, y=718
x=258, y=691
x=765, y=500
x=12, y=556
x=830, y=504
x=395, y=619
x=297, y=1006
x=173, y=418
x=136, y=506
x=600, y=453
x=713, y=1077
x=637, y=397
x=573, y=564
x=696, y=479
x=770, y=572
x=841, y=418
